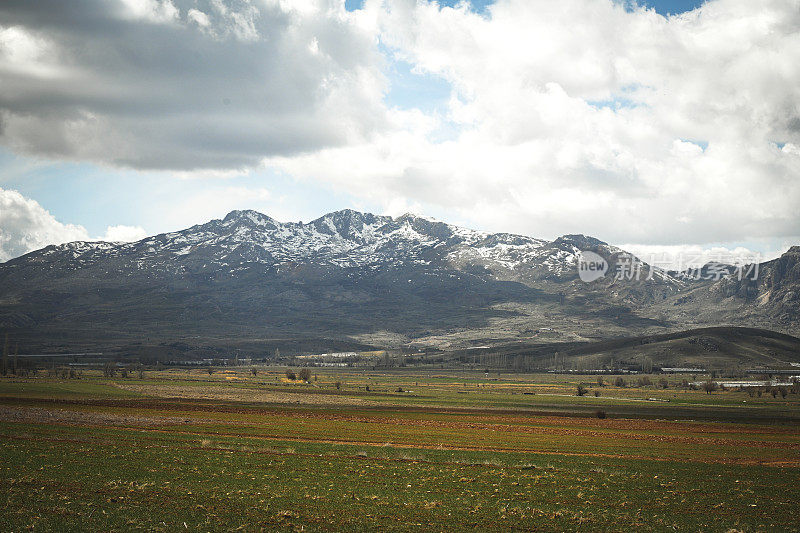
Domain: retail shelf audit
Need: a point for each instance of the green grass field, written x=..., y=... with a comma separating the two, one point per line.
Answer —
x=182, y=450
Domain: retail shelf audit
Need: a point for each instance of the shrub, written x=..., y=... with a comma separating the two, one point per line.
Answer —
x=254, y=371
x=596, y=393
x=619, y=382
x=581, y=390
x=600, y=413
x=338, y=385
x=290, y=375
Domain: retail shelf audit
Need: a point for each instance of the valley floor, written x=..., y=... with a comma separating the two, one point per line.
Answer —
x=182, y=449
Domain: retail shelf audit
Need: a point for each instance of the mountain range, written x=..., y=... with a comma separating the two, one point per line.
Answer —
x=352, y=280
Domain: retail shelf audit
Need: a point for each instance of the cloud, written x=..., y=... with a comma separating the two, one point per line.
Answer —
x=184, y=85
x=26, y=226
x=578, y=116
x=123, y=233
x=587, y=116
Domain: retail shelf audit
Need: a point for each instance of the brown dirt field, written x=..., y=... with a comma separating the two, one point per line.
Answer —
x=37, y=415
x=167, y=390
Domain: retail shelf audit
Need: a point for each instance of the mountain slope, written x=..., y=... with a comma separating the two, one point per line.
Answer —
x=351, y=277
x=713, y=347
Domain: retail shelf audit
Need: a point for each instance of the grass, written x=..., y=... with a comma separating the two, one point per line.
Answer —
x=113, y=454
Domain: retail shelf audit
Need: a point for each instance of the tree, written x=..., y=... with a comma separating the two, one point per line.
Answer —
x=338, y=385
x=581, y=390
x=254, y=371
x=710, y=386
x=109, y=369
x=304, y=374
x=600, y=382
x=210, y=370
x=619, y=382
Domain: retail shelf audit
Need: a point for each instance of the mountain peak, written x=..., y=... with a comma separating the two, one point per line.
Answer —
x=345, y=214
x=580, y=241
x=248, y=216
x=349, y=223
x=413, y=216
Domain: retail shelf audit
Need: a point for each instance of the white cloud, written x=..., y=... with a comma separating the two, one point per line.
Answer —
x=123, y=233
x=582, y=116
x=577, y=116
x=26, y=226
x=158, y=11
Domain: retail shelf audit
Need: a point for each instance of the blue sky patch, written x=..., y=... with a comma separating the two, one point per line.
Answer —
x=409, y=89
x=662, y=7
x=671, y=7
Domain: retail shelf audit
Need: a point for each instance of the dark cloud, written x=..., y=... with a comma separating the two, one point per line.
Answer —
x=184, y=85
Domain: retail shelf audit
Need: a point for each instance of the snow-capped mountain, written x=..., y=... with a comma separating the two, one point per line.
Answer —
x=344, y=239
x=352, y=277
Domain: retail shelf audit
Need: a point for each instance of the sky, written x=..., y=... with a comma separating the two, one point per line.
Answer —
x=660, y=126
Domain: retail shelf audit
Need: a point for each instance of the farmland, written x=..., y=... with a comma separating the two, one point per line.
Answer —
x=394, y=450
